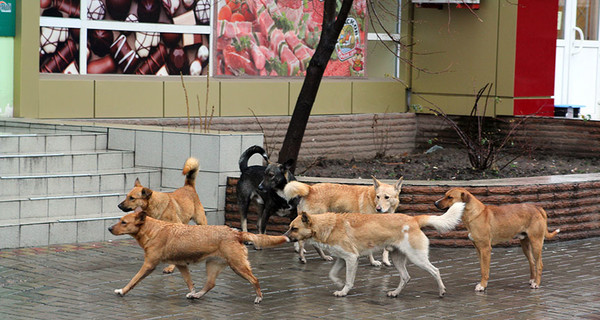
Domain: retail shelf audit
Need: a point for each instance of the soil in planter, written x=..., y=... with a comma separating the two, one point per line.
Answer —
x=446, y=164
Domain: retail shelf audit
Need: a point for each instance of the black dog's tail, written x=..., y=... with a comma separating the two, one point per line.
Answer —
x=248, y=153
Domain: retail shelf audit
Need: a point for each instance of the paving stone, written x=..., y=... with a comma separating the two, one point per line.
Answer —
x=77, y=281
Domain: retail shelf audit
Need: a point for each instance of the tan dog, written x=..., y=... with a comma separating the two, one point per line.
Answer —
x=350, y=235
x=183, y=244
x=330, y=197
x=179, y=206
x=490, y=225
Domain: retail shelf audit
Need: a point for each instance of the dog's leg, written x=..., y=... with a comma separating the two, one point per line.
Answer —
x=526, y=246
x=323, y=255
x=374, y=262
x=213, y=268
x=536, y=251
x=337, y=266
x=421, y=259
x=399, y=259
x=243, y=204
x=240, y=265
x=351, y=266
x=484, y=251
x=385, y=257
x=301, y=252
x=146, y=269
x=187, y=277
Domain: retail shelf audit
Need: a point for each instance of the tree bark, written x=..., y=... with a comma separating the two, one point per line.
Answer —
x=331, y=29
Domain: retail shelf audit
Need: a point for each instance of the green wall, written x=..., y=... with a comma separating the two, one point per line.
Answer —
x=6, y=73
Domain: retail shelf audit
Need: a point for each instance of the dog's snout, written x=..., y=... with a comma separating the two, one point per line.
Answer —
x=261, y=187
x=437, y=204
x=110, y=229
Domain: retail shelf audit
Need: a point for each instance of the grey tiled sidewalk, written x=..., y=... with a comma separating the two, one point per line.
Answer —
x=77, y=282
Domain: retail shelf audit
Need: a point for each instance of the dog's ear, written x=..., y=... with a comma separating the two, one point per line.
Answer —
x=464, y=196
x=137, y=183
x=305, y=218
x=146, y=193
x=398, y=185
x=288, y=164
x=140, y=218
x=376, y=182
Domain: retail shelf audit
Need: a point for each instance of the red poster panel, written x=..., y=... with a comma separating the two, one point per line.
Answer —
x=277, y=38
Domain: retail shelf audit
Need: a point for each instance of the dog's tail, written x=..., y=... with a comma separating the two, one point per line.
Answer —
x=263, y=240
x=548, y=235
x=243, y=162
x=295, y=189
x=445, y=222
x=190, y=170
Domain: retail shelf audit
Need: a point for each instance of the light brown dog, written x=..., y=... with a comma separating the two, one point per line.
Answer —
x=490, y=225
x=179, y=206
x=331, y=197
x=183, y=244
x=350, y=235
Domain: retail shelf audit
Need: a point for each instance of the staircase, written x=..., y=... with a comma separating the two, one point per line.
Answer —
x=62, y=186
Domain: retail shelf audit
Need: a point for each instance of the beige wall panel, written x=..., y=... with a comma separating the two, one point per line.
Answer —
x=456, y=44
x=66, y=98
x=454, y=105
x=26, y=68
x=378, y=97
x=175, y=105
x=263, y=97
x=121, y=98
x=507, y=40
x=505, y=107
x=334, y=97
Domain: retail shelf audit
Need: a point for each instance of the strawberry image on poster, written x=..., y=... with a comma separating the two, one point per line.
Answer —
x=279, y=37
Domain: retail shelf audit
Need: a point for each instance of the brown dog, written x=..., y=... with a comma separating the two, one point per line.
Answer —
x=490, y=225
x=183, y=244
x=179, y=206
x=331, y=197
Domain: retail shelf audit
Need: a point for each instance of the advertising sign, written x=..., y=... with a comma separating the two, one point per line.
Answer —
x=277, y=38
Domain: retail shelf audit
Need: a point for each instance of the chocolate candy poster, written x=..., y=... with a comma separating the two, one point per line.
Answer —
x=278, y=38
x=143, y=49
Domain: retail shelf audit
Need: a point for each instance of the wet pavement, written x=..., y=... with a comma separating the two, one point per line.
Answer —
x=77, y=282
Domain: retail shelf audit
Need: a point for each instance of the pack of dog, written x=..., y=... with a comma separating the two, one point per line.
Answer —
x=334, y=217
x=331, y=197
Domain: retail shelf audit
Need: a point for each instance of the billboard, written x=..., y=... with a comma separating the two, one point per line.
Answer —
x=277, y=38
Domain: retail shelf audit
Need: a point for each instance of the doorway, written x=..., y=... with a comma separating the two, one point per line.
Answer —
x=577, y=80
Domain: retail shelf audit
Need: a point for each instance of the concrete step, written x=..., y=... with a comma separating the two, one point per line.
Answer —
x=24, y=141
x=73, y=183
x=65, y=161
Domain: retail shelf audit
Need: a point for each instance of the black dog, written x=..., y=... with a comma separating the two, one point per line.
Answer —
x=255, y=182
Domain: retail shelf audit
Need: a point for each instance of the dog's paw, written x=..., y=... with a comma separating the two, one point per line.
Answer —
x=442, y=292
x=340, y=293
x=387, y=263
x=479, y=288
x=302, y=260
x=195, y=295
x=376, y=263
x=533, y=285
x=393, y=294
x=119, y=292
x=169, y=269
x=328, y=258
x=257, y=300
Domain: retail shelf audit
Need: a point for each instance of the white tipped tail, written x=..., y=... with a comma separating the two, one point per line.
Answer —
x=445, y=222
x=295, y=189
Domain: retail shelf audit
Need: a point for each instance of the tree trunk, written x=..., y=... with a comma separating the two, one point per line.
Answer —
x=331, y=29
